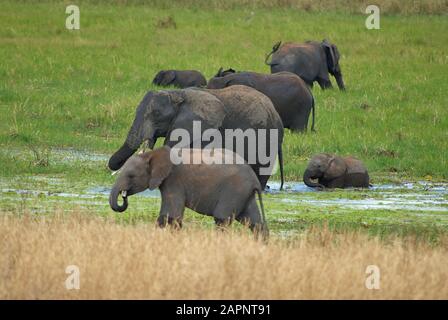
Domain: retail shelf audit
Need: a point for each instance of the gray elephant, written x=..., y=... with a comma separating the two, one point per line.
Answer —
x=290, y=95
x=238, y=107
x=312, y=61
x=180, y=78
x=224, y=191
x=333, y=171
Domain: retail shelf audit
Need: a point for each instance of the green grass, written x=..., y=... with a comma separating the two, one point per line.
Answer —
x=63, y=88
x=79, y=89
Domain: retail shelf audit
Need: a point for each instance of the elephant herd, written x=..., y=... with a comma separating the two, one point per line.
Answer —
x=245, y=102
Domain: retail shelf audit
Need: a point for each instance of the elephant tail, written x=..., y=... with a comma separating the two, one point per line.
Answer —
x=274, y=49
x=280, y=160
x=314, y=115
x=265, y=230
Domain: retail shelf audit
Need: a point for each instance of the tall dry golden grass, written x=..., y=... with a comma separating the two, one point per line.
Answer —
x=142, y=262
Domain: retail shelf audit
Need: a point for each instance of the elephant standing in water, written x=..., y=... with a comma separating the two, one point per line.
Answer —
x=335, y=172
x=207, y=185
x=312, y=61
x=180, y=78
x=238, y=108
x=290, y=95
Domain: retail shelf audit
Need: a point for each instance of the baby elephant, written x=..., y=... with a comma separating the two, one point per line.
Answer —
x=180, y=78
x=332, y=171
x=208, y=181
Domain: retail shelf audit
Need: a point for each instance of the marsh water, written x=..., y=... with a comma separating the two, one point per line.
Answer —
x=414, y=201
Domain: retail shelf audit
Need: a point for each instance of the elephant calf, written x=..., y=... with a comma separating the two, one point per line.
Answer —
x=199, y=182
x=335, y=172
x=180, y=78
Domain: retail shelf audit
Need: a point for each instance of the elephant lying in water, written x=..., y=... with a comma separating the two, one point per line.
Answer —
x=224, y=191
x=312, y=61
x=235, y=108
x=290, y=95
x=336, y=172
x=180, y=78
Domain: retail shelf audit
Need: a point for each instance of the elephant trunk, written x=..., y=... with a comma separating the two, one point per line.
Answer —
x=113, y=200
x=307, y=176
x=120, y=157
x=135, y=136
x=339, y=80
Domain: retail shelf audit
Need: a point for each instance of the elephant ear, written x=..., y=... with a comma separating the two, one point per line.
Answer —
x=159, y=166
x=219, y=74
x=168, y=78
x=229, y=71
x=197, y=106
x=331, y=55
x=205, y=107
x=336, y=168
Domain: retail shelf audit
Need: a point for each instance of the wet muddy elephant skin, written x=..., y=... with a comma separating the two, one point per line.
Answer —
x=180, y=78
x=335, y=172
x=290, y=95
x=235, y=107
x=312, y=61
x=224, y=191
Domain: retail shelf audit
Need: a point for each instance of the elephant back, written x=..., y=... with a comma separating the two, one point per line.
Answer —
x=246, y=107
x=355, y=166
x=206, y=106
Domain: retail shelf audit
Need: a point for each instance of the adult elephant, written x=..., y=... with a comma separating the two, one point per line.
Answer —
x=312, y=61
x=159, y=114
x=290, y=95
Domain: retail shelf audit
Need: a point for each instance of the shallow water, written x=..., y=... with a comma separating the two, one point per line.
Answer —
x=419, y=196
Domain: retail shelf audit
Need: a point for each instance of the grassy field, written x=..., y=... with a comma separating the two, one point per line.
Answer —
x=67, y=99
x=65, y=89
x=79, y=89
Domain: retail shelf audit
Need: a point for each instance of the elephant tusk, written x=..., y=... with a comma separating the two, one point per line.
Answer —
x=115, y=172
x=144, y=147
x=124, y=193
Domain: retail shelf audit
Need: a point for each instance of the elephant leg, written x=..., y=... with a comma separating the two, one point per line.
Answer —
x=324, y=82
x=300, y=122
x=338, y=182
x=230, y=205
x=171, y=210
x=251, y=217
x=222, y=224
x=357, y=180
